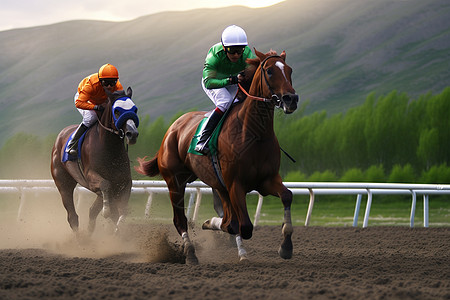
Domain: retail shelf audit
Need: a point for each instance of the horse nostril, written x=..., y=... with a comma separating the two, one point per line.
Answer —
x=289, y=98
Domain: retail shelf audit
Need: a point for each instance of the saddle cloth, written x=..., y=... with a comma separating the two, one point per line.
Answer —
x=212, y=143
x=66, y=156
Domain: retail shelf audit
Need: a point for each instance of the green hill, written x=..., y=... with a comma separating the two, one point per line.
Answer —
x=340, y=51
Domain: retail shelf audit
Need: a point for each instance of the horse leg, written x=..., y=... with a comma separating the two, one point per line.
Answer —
x=227, y=213
x=240, y=212
x=242, y=253
x=67, y=199
x=93, y=213
x=122, y=209
x=180, y=222
x=215, y=223
x=106, y=211
x=286, y=247
x=277, y=188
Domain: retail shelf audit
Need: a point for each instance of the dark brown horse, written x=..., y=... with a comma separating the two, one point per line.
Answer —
x=249, y=155
x=104, y=167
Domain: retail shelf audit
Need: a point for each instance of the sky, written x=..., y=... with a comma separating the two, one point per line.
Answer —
x=30, y=13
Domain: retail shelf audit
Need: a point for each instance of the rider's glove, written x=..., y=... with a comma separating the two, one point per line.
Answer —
x=99, y=108
x=233, y=79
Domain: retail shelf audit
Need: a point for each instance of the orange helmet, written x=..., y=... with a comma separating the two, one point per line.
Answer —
x=108, y=71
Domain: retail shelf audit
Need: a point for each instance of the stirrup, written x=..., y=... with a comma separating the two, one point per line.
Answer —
x=202, y=149
x=73, y=151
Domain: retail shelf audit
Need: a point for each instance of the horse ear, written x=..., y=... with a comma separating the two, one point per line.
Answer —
x=260, y=55
x=283, y=55
x=129, y=92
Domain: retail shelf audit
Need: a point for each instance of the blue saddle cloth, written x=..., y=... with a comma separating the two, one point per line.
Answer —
x=66, y=156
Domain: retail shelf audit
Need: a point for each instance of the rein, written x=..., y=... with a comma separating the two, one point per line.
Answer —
x=120, y=132
x=263, y=74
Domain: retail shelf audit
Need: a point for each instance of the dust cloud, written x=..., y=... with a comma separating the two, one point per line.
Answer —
x=41, y=224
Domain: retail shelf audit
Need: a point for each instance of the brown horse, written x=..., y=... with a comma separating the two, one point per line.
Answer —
x=104, y=166
x=249, y=155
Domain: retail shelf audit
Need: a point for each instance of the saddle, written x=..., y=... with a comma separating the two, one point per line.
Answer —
x=212, y=143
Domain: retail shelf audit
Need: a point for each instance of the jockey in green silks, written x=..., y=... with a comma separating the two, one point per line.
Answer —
x=221, y=74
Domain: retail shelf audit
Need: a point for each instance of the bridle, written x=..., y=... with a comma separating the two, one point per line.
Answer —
x=119, y=132
x=275, y=97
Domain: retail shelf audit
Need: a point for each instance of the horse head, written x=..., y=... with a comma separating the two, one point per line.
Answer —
x=274, y=79
x=122, y=114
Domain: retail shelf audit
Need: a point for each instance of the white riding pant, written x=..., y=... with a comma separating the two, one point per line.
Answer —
x=222, y=97
x=89, y=115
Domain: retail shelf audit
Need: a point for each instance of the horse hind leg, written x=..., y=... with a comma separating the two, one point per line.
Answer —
x=180, y=220
x=215, y=224
x=67, y=200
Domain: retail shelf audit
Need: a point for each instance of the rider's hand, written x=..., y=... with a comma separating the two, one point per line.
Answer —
x=233, y=79
x=241, y=77
x=99, y=108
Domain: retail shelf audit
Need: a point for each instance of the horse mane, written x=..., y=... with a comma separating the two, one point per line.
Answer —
x=249, y=72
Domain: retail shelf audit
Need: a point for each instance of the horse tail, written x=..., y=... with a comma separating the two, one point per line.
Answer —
x=149, y=167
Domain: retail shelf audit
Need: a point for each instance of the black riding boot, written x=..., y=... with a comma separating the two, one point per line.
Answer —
x=211, y=123
x=73, y=144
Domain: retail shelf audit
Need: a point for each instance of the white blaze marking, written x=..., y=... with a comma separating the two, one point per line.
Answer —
x=280, y=65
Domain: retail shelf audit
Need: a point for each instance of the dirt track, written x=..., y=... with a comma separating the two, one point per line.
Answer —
x=328, y=263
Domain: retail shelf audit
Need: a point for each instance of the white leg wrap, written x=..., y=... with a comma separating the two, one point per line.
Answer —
x=119, y=222
x=216, y=223
x=106, y=212
x=241, y=251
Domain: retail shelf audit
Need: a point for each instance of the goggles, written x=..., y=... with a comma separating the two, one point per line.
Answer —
x=235, y=49
x=109, y=82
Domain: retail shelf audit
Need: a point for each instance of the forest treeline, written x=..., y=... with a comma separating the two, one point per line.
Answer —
x=389, y=138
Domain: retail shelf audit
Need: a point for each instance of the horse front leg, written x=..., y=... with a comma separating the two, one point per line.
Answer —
x=277, y=188
x=286, y=247
x=121, y=212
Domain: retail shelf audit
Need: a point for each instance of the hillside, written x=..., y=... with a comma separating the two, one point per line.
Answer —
x=340, y=51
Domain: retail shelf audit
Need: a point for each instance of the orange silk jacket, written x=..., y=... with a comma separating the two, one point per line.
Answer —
x=91, y=92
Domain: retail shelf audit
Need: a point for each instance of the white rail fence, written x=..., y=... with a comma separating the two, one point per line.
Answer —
x=197, y=189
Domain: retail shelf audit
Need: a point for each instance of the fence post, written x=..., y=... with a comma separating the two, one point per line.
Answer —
x=368, y=205
x=413, y=209
x=148, y=205
x=21, y=204
x=258, y=209
x=310, y=206
x=425, y=210
x=197, y=204
x=357, y=207
x=190, y=205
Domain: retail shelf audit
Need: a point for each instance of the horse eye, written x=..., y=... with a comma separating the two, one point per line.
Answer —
x=117, y=114
x=269, y=72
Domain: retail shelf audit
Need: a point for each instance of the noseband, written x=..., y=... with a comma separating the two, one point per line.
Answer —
x=275, y=97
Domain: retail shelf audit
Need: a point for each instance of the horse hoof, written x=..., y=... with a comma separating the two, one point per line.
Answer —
x=207, y=225
x=285, y=250
x=192, y=260
x=189, y=253
x=285, y=254
x=106, y=213
x=243, y=259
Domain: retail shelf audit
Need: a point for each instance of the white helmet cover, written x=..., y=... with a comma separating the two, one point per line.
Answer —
x=234, y=36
